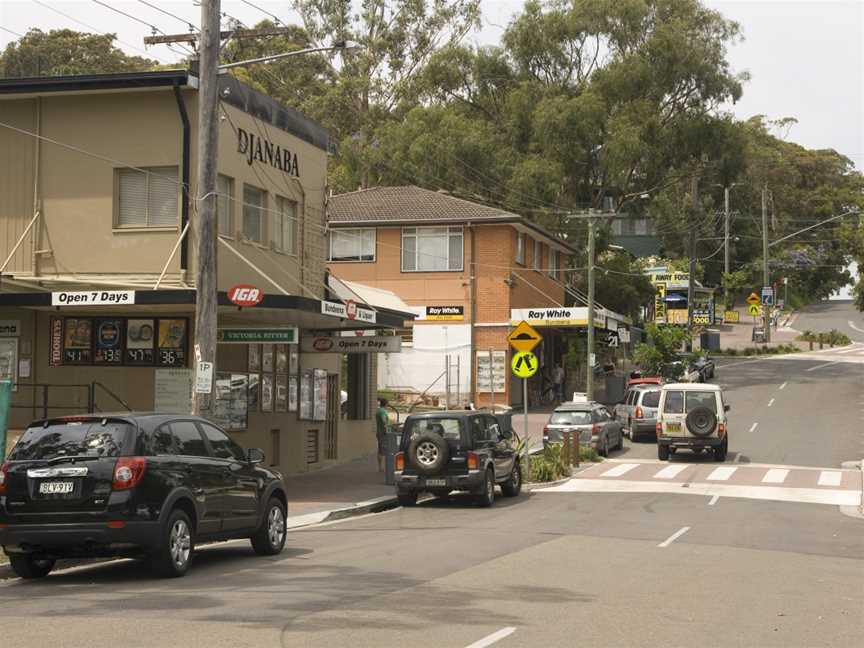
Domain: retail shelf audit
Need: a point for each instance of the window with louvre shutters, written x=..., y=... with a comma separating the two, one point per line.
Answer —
x=148, y=197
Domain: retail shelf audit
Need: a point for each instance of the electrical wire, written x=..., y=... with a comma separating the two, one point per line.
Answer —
x=276, y=18
x=191, y=25
x=153, y=27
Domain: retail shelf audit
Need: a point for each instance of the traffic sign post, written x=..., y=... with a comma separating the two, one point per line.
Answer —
x=755, y=310
x=768, y=295
x=524, y=364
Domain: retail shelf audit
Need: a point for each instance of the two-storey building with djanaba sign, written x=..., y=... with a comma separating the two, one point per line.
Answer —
x=97, y=289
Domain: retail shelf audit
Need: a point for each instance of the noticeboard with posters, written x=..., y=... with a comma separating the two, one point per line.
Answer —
x=281, y=394
x=307, y=386
x=254, y=397
x=293, y=359
x=267, y=393
x=319, y=406
x=254, y=357
x=78, y=340
x=267, y=358
x=281, y=358
x=231, y=406
x=292, y=393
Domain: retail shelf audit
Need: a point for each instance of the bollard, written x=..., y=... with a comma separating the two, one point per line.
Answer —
x=391, y=447
x=5, y=404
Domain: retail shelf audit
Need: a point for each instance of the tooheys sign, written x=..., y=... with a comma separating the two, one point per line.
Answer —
x=245, y=295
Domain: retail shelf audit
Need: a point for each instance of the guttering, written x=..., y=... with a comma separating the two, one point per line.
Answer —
x=184, y=170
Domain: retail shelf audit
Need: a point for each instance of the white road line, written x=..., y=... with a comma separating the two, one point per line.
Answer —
x=771, y=402
x=830, y=478
x=670, y=472
x=713, y=500
x=775, y=476
x=852, y=350
x=723, y=473
x=492, y=638
x=822, y=366
x=674, y=537
x=619, y=470
x=754, y=426
x=855, y=328
x=783, y=386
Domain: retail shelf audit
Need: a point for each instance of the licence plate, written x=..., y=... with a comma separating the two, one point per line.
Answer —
x=436, y=482
x=673, y=427
x=56, y=487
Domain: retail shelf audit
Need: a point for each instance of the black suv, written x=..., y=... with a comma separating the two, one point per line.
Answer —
x=140, y=485
x=461, y=450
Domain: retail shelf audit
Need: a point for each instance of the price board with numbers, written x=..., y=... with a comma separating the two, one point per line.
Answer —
x=120, y=341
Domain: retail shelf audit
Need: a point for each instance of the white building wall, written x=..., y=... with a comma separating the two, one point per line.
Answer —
x=424, y=360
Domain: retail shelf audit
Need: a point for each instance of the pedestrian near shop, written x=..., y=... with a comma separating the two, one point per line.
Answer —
x=558, y=381
x=382, y=427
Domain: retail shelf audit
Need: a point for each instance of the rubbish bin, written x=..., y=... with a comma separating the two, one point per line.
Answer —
x=759, y=334
x=391, y=447
x=709, y=340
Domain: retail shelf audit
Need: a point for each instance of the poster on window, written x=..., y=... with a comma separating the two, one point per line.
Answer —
x=319, y=411
x=239, y=409
x=292, y=393
x=267, y=393
x=109, y=341
x=254, y=357
x=281, y=358
x=8, y=359
x=307, y=379
x=171, y=351
x=267, y=358
x=78, y=340
x=254, y=392
x=492, y=374
x=281, y=393
x=140, y=340
x=293, y=359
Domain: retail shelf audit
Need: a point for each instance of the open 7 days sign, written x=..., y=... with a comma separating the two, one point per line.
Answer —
x=93, y=298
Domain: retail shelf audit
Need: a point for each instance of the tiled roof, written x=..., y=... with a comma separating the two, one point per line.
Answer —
x=409, y=204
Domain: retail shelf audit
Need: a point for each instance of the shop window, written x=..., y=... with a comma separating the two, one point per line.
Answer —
x=148, y=197
x=520, y=248
x=553, y=263
x=538, y=255
x=355, y=244
x=359, y=386
x=225, y=205
x=284, y=233
x=254, y=208
x=432, y=249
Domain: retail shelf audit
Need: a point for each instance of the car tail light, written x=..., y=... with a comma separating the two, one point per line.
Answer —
x=721, y=429
x=473, y=461
x=128, y=471
x=400, y=462
x=116, y=524
x=639, y=412
x=4, y=475
x=595, y=429
x=659, y=428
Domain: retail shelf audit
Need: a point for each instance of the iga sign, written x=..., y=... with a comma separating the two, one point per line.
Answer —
x=245, y=295
x=348, y=310
x=93, y=298
x=341, y=344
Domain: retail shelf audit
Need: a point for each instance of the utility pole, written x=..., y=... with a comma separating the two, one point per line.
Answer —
x=726, y=231
x=205, y=220
x=766, y=317
x=589, y=383
x=691, y=251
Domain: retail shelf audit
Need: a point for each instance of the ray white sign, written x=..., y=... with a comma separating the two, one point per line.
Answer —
x=93, y=298
x=340, y=344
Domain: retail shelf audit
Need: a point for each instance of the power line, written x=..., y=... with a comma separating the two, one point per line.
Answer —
x=191, y=25
x=14, y=33
x=264, y=11
x=153, y=27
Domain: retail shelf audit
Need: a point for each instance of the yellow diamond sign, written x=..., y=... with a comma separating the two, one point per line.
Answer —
x=754, y=309
x=753, y=299
x=524, y=337
x=524, y=364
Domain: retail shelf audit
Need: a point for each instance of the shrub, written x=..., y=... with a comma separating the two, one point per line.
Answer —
x=548, y=464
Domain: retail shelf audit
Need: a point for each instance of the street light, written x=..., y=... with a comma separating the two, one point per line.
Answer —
x=338, y=45
x=806, y=229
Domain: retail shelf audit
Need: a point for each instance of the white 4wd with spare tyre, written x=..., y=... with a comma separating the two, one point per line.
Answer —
x=692, y=416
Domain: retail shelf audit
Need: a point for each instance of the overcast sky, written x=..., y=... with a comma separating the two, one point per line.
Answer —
x=805, y=57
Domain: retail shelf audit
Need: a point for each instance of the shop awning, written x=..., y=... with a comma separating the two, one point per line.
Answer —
x=375, y=297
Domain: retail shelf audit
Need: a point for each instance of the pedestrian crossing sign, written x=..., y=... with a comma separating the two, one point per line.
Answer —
x=524, y=364
x=755, y=309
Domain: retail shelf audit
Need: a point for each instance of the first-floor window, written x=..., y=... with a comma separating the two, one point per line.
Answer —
x=538, y=255
x=354, y=244
x=148, y=197
x=430, y=249
x=553, y=263
x=254, y=206
x=284, y=232
x=520, y=248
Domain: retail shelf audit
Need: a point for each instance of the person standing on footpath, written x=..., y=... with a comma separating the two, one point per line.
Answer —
x=382, y=427
x=558, y=381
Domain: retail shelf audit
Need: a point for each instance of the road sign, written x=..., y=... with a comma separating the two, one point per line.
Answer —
x=768, y=295
x=755, y=309
x=524, y=337
x=524, y=364
x=624, y=335
x=612, y=339
x=753, y=299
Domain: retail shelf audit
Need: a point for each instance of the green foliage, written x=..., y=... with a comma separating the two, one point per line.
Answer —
x=734, y=283
x=621, y=286
x=659, y=355
x=67, y=52
x=549, y=465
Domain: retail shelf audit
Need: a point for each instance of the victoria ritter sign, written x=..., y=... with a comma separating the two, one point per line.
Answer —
x=258, y=149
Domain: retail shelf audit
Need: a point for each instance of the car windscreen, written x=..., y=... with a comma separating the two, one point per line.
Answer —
x=651, y=398
x=73, y=439
x=576, y=417
x=446, y=427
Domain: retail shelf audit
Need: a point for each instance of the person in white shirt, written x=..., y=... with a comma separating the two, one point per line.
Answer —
x=558, y=381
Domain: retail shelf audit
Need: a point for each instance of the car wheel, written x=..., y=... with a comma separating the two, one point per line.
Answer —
x=486, y=497
x=269, y=540
x=722, y=450
x=604, y=448
x=513, y=486
x=29, y=566
x=428, y=453
x=174, y=554
x=620, y=444
x=663, y=452
x=407, y=499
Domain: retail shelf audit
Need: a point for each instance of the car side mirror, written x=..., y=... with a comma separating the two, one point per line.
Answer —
x=506, y=435
x=726, y=408
x=255, y=456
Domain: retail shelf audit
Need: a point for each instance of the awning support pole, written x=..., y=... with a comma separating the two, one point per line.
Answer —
x=171, y=256
x=20, y=240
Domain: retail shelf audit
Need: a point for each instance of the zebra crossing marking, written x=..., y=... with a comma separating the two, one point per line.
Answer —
x=619, y=470
x=830, y=478
x=723, y=473
x=670, y=472
x=775, y=476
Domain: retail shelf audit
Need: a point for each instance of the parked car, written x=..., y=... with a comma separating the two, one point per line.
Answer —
x=141, y=485
x=705, y=366
x=692, y=416
x=638, y=411
x=462, y=450
x=689, y=371
x=595, y=425
x=636, y=378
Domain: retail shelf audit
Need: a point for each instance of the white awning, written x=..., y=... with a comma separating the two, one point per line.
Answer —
x=363, y=294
